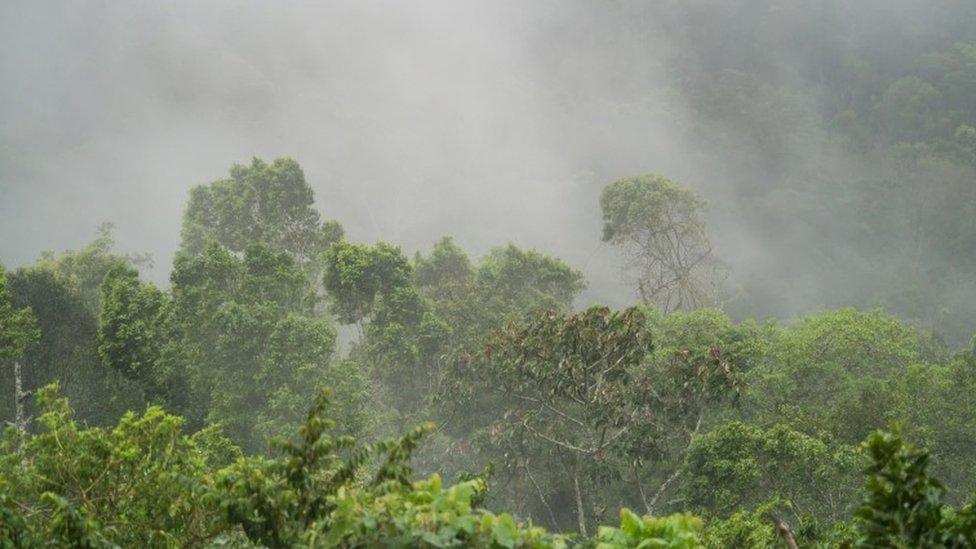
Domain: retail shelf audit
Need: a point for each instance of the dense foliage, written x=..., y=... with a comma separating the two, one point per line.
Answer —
x=145, y=483
x=546, y=420
x=531, y=419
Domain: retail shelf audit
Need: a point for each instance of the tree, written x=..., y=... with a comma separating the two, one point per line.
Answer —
x=447, y=267
x=691, y=378
x=504, y=285
x=357, y=274
x=64, y=293
x=130, y=330
x=513, y=279
x=936, y=412
x=658, y=226
x=832, y=373
x=739, y=466
x=403, y=345
x=260, y=203
x=83, y=270
x=244, y=330
x=578, y=393
x=903, y=505
x=18, y=329
x=141, y=482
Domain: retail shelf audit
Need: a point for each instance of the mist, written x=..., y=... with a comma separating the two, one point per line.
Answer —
x=411, y=122
x=711, y=279
x=492, y=122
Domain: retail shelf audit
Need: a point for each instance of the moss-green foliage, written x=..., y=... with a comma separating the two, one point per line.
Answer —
x=357, y=275
x=903, y=504
x=830, y=372
x=18, y=327
x=245, y=332
x=267, y=203
x=145, y=483
x=643, y=203
x=512, y=279
x=129, y=337
x=739, y=466
x=140, y=483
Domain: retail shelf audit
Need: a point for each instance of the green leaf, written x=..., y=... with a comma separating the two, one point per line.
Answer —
x=505, y=530
x=630, y=523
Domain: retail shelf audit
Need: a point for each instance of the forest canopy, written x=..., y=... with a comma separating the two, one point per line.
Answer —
x=527, y=421
x=791, y=366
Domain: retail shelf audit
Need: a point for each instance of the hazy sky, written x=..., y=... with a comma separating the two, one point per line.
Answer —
x=490, y=121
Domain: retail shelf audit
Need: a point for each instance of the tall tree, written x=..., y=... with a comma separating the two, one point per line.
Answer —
x=356, y=275
x=131, y=335
x=259, y=203
x=64, y=292
x=244, y=330
x=18, y=329
x=658, y=225
x=583, y=394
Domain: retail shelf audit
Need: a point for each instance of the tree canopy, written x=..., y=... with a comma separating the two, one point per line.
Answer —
x=660, y=228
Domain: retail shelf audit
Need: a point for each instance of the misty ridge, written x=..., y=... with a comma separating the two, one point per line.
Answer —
x=692, y=273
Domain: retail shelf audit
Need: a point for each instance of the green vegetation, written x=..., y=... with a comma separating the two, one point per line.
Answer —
x=548, y=422
x=839, y=137
x=659, y=225
x=145, y=483
x=292, y=387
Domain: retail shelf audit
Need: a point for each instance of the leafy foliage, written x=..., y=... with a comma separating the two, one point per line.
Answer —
x=261, y=203
x=903, y=507
x=676, y=531
x=357, y=275
x=141, y=483
x=129, y=338
x=583, y=392
x=245, y=332
x=738, y=466
x=18, y=328
x=144, y=483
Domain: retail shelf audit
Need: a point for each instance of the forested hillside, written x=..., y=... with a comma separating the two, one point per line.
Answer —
x=563, y=418
x=792, y=364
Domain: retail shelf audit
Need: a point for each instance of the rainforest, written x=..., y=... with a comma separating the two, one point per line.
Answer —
x=619, y=274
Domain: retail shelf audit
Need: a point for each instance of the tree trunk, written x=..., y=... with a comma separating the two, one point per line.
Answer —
x=675, y=474
x=542, y=497
x=19, y=397
x=661, y=489
x=785, y=533
x=640, y=490
x=580, y=514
